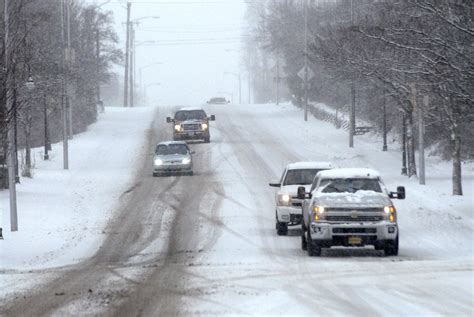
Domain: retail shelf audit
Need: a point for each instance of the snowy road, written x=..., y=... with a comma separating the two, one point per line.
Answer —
x=206, y=244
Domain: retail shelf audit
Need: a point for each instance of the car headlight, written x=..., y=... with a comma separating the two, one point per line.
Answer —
x=284, y=199
x=177, y=127
x=204, y=126
x=158, y=162
x=186, y=160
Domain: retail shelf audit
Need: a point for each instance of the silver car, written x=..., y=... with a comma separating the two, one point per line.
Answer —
x=172, y=157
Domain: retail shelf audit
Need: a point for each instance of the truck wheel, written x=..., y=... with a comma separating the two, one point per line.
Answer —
x=391, y=248
x=282, y=229
x=304, y=244
x=313, y=247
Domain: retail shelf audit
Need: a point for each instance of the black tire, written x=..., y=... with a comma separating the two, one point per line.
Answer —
x=391, y=248
x=313, y=247
x=282, y=228
x=304, y=243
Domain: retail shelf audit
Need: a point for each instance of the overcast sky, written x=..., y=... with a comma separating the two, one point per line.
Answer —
x=196, y=42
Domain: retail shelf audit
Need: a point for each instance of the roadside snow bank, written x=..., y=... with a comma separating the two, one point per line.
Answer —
x=62, y=213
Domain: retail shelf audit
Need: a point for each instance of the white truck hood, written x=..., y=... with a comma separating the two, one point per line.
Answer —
x=353, y=200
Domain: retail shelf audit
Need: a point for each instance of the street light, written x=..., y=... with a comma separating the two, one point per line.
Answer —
x=132, y=55
x=240, y=84
x=140, y=73
x=249, y=81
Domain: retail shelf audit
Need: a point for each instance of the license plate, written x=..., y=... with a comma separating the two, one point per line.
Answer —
x=355, y=240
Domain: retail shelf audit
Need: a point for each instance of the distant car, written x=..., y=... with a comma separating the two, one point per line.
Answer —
x=172, y=157
x=218, y=101
x=349, y=207
x=288, y=206
x=191, y=124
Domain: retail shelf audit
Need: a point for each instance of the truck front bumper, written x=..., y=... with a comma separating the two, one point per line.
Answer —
x=331, y=234
x=191, y=135
x=289, y=214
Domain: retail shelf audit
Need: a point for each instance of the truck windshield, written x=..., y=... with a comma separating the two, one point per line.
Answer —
x=300, y=176
x=350, y=185
x=190, y=115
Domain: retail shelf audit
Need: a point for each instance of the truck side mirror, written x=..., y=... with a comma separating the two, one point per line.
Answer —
x=168, y=119
x=213, y=117
x=274, y=184
x=301, y=192
x=401, y=192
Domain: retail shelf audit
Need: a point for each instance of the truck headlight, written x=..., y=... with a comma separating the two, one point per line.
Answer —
x=389, y=213
x=284, y=199
x=319, y=209
x=318, y=213
x=204, y=126
x=158, y=162
x=186, y=160
x=177, y=127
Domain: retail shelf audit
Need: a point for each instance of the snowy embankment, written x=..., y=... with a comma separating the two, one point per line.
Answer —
x=62, y=213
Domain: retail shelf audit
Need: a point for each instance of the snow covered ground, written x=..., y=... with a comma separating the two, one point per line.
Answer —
x=62, y=213
x=240, y=266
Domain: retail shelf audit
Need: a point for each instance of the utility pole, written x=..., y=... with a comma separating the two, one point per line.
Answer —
x=352, y=116
x=277, y=79
x=132, y=65
x=305, y=81
x=70, y=57
x=46, y=134
x=9, y=110
x=384, y=147
x=127, y=57
x=97, y=56
x=352, y=110
x=404, y=144
x=250, y=87
x=240, y=88
x=63, y=92
x=421, y=139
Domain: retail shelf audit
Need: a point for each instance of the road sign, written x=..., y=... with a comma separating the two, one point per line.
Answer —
x=306, y=73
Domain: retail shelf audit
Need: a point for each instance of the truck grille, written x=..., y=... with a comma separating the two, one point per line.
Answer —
x=296, y=202
x=336, y=209
x=191, y=127
x=354, y=230
x=355, y=218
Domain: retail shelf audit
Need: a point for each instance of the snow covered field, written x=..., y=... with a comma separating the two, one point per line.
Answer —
x=62, y=213
x=237, y=264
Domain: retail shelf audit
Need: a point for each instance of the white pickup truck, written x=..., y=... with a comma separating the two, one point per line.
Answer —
x=288, y=206
x=349, y=207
